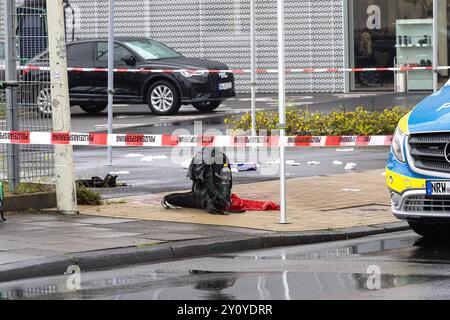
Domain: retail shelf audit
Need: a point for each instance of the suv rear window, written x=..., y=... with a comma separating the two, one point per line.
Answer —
x=80, y=51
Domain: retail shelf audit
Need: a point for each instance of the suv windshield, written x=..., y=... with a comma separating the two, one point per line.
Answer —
x=152, y=50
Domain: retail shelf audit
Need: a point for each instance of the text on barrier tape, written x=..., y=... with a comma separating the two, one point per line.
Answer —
x=145, y=140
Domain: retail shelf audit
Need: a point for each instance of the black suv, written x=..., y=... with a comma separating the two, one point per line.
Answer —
x=163, y=92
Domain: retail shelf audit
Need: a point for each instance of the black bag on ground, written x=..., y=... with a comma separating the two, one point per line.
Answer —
x=110, y=181
x=204, y=172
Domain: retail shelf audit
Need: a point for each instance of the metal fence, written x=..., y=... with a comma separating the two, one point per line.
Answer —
x=27, y=36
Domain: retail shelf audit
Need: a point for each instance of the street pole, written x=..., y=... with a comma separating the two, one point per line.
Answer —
x=110, y=77
x=64, y=170
x=435, y=45
x=13, y=151
x=282, y=108
x=253, y=63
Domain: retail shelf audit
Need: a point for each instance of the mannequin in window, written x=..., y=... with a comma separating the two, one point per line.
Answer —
x=365, y=58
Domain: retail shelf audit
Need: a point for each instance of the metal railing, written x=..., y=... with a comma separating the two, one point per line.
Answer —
x=26, y=33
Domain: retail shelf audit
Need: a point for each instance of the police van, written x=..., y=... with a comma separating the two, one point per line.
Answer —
x=418, y=169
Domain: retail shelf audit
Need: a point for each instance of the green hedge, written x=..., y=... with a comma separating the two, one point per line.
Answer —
x=359, y=122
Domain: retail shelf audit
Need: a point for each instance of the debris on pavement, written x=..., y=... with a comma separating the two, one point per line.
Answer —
x=245, y=166
x=345, y=150
x=351, y=166
x=352, y=190
x=241, y=205
x=272, y=162
x=134, y=155
x=186, y=163
x=120, y=173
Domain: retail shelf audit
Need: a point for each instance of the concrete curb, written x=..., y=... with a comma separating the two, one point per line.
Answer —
x=115, y=258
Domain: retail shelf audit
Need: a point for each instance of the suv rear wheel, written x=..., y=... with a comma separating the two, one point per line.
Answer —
x=93, y=109
x=163, y=98
x=44, y=102
x=207, y=106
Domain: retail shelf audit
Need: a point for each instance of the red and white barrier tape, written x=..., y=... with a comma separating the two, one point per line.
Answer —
x=144, y=140
x=236, y=71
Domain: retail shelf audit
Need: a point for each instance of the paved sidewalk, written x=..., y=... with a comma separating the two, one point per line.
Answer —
x=138, y=230
x=318, y=203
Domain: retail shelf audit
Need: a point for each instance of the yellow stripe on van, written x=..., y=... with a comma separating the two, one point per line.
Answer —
x=403, y=123
x=402, y=183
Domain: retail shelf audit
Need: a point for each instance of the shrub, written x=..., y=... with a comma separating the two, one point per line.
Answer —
x=87, y=197
x=338, y=123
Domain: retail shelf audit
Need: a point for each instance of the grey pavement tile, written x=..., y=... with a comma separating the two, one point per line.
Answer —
x=157, y=225
x=82, y=230
x=11, y=257
x=101, y=220
x=39, y=253
x=173, y=236
x=110, y=235
x=6, y=227
x=34, y=217
x=13, y=245
x=99, y=244
x=56, y=224
x=54, y=239
x=29, y=235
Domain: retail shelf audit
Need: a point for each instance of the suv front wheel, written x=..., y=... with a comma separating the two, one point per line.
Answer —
x=163, y=98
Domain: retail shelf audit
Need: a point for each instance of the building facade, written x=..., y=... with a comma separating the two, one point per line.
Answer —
x=319, y=34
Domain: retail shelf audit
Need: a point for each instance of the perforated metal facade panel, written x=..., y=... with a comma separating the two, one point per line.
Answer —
x=220, y=30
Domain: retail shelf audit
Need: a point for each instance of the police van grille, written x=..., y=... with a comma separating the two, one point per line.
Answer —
x=434, y=204
x=427, y=151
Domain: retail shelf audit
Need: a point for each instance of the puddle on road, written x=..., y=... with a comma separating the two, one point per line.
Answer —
x=204, y=285
x=346, y=251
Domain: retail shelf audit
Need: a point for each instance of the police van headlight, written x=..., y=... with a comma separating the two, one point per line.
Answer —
x=397, y=145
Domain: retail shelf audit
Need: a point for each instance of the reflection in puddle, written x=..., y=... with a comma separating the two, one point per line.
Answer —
x=360, y=249
x=199, y=285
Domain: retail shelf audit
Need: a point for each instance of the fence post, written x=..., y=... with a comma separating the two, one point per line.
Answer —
x=64, y=170
x=13, y=151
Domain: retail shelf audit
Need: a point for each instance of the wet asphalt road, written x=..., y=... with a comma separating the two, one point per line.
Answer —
x=129, y=116
x=409, y=266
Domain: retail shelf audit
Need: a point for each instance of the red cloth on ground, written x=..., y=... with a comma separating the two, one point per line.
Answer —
x=238, y=204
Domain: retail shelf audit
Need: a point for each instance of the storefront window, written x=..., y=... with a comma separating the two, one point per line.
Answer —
x=387, y=33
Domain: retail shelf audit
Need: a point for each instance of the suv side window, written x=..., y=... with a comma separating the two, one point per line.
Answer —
x=80, y=51
x=102, y=52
